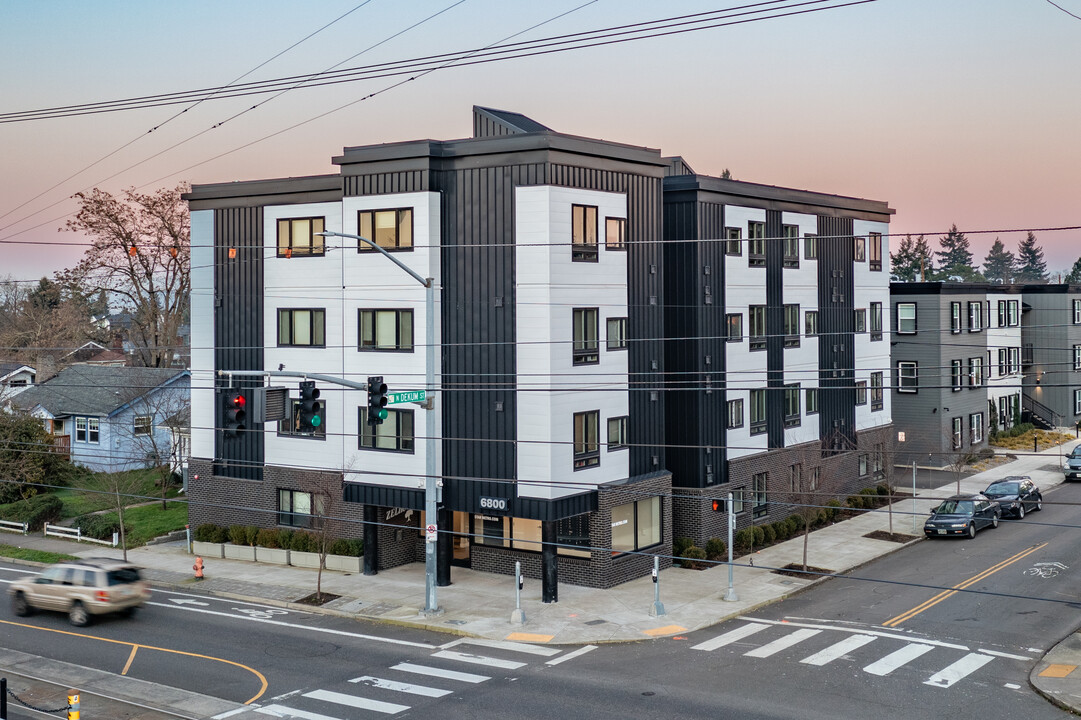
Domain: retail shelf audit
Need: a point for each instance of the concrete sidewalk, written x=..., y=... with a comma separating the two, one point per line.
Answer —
x=481, y=604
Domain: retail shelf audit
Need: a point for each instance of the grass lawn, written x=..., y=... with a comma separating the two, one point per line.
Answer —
x=34, y=555
x=92, y=496
x=150, y=521
x=1046, y=439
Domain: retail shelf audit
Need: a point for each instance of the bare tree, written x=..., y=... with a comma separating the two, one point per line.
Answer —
x=161, y=421
x=40, y=323
x=122, y=489
x=884, y=460
x=140, y=257
x=810, y=483
x=327, y=496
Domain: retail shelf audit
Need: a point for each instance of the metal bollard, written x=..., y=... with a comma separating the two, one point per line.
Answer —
x=657, y=608
x=518, y=616
x=73, y=705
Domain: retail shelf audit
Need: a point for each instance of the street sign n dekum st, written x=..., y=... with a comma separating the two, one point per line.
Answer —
x=406, y=397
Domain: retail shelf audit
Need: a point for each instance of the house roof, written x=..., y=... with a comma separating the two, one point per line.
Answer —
x=95, y=389
x=7, y=369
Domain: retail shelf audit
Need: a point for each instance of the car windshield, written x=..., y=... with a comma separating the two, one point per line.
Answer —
x=123, y=576
x=956, y=507
x=1003, y=488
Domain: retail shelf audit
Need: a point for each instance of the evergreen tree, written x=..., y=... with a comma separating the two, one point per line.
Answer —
x=999, y=264
x=904, y=265
x=1031, y=267
x=1075, y=273
x=955, y=257
x=924, y=259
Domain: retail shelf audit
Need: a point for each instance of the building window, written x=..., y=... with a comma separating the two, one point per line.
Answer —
x=791, y=405
x=1077, y=312
x=955, y=317
x=791, y=245
x=1003, y=362
x=617, y=333
x=810, y=323
x=301, y=327
x=956, y=373
x=759, y=502
x=297, y=237
x=791, y=325
x=1015, y=360
x=141, y=425
x=1001, y=313
x=87, y=430
x=861, y=249
x=756, y=319
x=907, y=381
x=795, y=478
x=735, y=413
x=812, y=401
x=906, y=318
x=1077, y=357
x=395, y=434
x=734, y=324
x=975, y=421
x=583, y=233
x=810, y=247
x=958, y=433
x=617, y=433
x=861, y=392
x=975, y=372
x=876, y=321
x=876, y=391
x=390, y=229
x=756, y=249
x=975, y=316
x=385, y=330
x=586, y=439
x=862, y=466
x=615, y=234
x=291, y=425
x=586, y=347
x=1077, y=402
x=295, y=508
x=737, y=501
x=733, y=241
x=861, y=320
x=875, y=241
x=758, y=411
x=636, y=525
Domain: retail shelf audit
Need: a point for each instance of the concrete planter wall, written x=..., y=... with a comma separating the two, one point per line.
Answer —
x=304, y=559
x=343, y=563
x=275, y=556
x=240, y=552
x=208, y=550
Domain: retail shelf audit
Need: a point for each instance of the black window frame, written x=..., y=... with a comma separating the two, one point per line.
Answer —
x=316, y=246
x=877, y=392
x=901, y=377
x=860, y=320
x=363, y=346
x=791, y=328
x=322, y=312
x=861, y=392
x=756, y=243
x=810, y=407
x=289, y=517
x=792, y=405
x=975, y=313
x=582, y=249
x=734, y=409
x=790, y=246
x=371, y=233
x=733, y=241
x=737, y=318
x=620, y=342
x=759, y=425
x=955, y=318
x=755, y=341
x=620, y=244
x=590, y=454
x=585, y=351
x=859, y=251
x=759, y=494
x=405, y=438
x=874, y=251
x=875, y=321
x=810, y=323
x=621, y=442
x=957, y=374
x=810, y=247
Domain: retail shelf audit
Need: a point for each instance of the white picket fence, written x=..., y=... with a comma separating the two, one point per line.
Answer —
x=77, y=535
x=12, y=526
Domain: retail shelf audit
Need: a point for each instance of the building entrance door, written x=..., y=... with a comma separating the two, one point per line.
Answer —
x=460, y=541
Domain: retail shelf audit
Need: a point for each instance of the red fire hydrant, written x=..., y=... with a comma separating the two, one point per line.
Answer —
x=198, y=568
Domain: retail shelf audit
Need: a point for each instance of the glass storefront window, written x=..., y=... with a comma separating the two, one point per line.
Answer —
x=649, y=522
x=636, y=525
x=526, y=535
x=623, y=528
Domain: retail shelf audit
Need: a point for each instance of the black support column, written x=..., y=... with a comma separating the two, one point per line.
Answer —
x=549, y=563
x=371, y=540
x=443, y=547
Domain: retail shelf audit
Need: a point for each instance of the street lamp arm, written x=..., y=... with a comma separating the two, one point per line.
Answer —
x=426, y=282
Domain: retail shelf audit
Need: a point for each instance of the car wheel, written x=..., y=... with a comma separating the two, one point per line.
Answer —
x=972, y=530
x=77, y=614
x=20, y=606
x=994, y=520
x=128, y=612
x=1021, y=511
x=1039, y=503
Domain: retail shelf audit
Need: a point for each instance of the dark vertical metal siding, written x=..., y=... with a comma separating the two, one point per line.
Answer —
x=836, y=327
x=238, y=329
x=386, y=183
x=712, y=431
x=681, y=296
x=484, y=126
x=774, y=330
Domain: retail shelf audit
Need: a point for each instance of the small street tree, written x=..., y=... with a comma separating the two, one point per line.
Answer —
x=1031, y=267
x=123, y=489
x=327, y=497
x=999, y=264
x=139, y=256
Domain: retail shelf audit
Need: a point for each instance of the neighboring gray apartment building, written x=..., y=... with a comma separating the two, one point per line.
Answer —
x=1051, y=355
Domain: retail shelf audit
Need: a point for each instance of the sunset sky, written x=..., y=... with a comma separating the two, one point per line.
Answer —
x=963, y=112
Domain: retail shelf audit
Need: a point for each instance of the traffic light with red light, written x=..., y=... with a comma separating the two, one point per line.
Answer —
x=377, y=400
x=234, y=413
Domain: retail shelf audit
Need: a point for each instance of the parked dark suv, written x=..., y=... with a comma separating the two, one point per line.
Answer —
x=81, y=588
x=1073, y=464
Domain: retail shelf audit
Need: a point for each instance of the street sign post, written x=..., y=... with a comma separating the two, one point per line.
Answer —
x=406, y=397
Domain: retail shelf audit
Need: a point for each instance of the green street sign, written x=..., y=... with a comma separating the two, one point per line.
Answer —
x=406, y=397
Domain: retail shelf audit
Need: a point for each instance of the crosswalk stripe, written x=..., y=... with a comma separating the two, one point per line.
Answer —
x=479, y=659
x=356, y=702
x=504, y=645
x=781, y=643
x=730, y=637
x=897, y=658
x=840, y=649
x=968, y=664
x=440, y=673
x=573, y=654
x=401, y=687
x=281, y=711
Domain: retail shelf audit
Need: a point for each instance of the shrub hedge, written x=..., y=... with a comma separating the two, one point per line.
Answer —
x=36, y=511
x=283, y=538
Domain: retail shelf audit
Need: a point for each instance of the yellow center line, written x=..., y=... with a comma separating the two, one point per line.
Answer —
x=131, y=658
x=909, y=614
x=253, y=671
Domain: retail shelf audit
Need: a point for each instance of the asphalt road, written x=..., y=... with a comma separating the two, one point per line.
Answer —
x=945, y=628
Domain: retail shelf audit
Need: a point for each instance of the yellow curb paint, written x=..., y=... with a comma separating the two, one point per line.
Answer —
x=666, y=630
x=529, y=637
x=1058, y=671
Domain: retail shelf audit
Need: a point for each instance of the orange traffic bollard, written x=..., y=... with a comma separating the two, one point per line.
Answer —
x=198, y=568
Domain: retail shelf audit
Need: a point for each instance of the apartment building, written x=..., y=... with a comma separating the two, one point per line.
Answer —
x=588, y=373
x=1051, y=354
